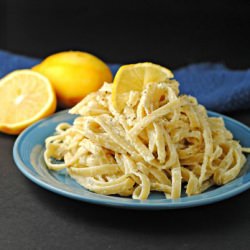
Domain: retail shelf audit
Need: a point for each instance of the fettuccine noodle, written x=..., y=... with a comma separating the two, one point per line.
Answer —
x=159, y=142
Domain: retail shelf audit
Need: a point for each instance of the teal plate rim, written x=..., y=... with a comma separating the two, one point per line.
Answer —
x=37, y=132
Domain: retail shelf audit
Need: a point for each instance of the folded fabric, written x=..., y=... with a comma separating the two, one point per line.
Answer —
x=216, y=87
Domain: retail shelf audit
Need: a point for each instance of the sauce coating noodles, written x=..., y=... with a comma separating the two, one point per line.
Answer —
x=161, y=141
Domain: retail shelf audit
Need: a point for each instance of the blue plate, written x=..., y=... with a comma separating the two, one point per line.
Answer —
x=28, y=156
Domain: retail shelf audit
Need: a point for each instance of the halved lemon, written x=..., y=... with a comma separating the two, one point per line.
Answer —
x=25, y=97
x=135, y=77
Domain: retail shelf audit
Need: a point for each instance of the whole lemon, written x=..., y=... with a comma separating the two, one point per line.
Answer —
x=74, y=74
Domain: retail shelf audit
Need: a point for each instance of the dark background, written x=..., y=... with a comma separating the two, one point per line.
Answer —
x=173, y=33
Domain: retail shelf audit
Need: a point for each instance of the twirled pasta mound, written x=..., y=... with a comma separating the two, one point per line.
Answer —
x=160, y=141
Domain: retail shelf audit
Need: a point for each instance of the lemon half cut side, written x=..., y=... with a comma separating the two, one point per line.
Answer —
x=135, y=77
x=25, y=97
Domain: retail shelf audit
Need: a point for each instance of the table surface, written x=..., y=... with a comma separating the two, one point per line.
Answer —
x=34, y=218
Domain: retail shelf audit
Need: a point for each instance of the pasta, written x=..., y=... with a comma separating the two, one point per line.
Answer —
x=161, y=141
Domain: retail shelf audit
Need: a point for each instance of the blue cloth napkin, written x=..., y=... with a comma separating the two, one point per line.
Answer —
x=216, y=87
